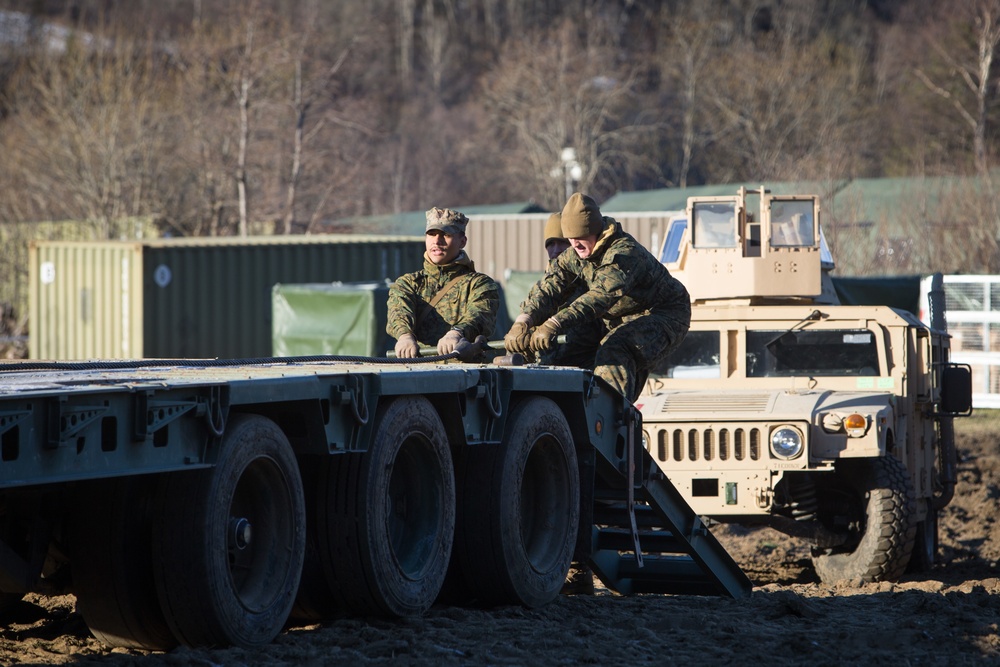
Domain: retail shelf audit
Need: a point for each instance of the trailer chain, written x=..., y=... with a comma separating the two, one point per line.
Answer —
x=127, y=364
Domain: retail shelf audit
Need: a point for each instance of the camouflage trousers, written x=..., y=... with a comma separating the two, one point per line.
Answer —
x=632, y=348
x=580, y=348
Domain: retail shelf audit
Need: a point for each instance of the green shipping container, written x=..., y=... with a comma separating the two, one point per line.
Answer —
x=339, y=319
x=187, y=298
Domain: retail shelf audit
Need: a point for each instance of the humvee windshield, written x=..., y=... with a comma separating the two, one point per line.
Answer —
x=778, y=353
x=811, y=352
x=792, y=223
x=714, y=225
x=696, y=357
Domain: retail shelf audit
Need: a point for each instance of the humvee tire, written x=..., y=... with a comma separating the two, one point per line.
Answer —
x=878, y=508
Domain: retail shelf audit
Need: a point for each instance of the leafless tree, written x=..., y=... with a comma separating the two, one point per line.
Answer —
x=556, y=91
x=689, y=43
x=788, y=108
x=83, y=130
x=964, y=36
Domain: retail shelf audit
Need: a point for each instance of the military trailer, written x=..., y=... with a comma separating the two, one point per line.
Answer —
x=207, y=502
x=829, y=422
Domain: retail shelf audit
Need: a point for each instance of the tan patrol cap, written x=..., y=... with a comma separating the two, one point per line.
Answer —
x=446, y=220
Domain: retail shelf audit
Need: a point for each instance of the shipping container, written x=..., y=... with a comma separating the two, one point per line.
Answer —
x=502, y=243
x=184, y=298
x=343, y=319
x=340, y=319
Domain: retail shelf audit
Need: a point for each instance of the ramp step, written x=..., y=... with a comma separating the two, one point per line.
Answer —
x=665, y=575
x=617, y=515
x=664, y=522
x=650, y=541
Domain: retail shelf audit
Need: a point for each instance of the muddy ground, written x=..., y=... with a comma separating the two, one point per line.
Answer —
x=949, y=616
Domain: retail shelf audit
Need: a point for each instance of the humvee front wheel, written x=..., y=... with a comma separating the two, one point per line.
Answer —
x=875, y=509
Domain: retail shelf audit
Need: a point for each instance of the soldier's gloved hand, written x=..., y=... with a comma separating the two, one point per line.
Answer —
x=544, y=336
x=449, y=342
x=406, y=347
x=518, y=338
x=466, y=351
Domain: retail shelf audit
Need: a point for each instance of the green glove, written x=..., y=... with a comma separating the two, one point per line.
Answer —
x=544, y=337
x=518, y=338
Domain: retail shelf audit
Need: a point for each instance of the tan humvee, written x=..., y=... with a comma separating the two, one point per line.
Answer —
x=825, y=421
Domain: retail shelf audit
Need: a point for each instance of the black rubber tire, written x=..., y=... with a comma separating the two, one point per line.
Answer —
x=925, y=544
x=520, y=510
x=315, y=601
x=883, y=500
x=388, y=523
x=229, y=544
x=111, y=553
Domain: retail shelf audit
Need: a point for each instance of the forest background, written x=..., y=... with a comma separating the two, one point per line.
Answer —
x=242, y=117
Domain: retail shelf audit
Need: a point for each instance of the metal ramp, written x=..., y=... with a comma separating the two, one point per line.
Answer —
x=645, y=538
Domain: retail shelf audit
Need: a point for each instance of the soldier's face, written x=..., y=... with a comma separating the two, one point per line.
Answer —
x=443, y=248
x=583, y=247
x=555, y=247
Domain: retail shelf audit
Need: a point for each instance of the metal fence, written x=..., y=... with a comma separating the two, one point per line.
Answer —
x=972, y=308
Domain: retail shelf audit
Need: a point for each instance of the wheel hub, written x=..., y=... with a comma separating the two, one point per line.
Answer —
x=240, y=532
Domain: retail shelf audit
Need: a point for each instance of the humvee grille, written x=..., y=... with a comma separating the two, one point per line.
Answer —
x=716, y=443
x=714, y=402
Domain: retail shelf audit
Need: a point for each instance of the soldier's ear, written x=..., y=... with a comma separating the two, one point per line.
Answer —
x=465, y=240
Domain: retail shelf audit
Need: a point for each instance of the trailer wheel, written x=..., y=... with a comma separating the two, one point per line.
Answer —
x=388, y=522
x=112, y=568
x=230, y=540
x=879, y=503
x=314, y=601
x=520, y=510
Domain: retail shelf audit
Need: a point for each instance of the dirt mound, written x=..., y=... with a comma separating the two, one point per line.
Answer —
x=946, y=617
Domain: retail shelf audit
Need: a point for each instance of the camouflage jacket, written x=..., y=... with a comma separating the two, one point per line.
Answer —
x=623, y=281
x=471, y=304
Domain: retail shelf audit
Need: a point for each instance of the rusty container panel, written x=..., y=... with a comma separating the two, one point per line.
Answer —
x=204, y=297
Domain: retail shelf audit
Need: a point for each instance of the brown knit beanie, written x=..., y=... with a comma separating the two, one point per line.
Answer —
x=553, y=228
x=581, y=217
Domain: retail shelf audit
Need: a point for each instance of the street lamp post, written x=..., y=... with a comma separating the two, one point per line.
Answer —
x=572, y=171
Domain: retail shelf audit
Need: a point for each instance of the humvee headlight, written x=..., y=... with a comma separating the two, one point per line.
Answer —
x=646, y=440
x=856, y=425
x=786, y=442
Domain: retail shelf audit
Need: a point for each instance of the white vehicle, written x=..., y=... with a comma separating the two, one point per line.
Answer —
x=825, y=421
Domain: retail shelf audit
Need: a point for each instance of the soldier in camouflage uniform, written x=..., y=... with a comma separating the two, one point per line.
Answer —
x=447, y=304
x=580, y=348
x=646, y=310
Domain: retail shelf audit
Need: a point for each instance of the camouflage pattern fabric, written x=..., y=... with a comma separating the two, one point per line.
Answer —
x=646, y=310
x=470, y=304
x=582, y=341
